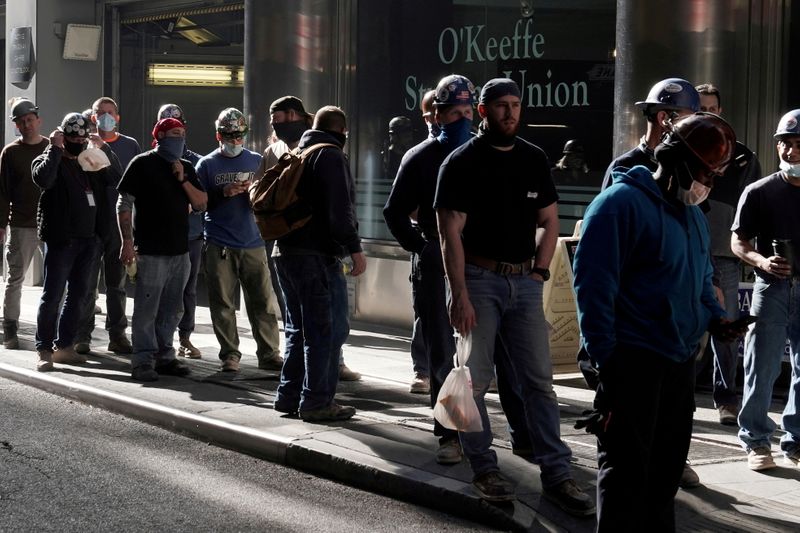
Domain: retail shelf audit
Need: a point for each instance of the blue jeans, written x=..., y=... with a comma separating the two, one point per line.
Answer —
x=315, y=325
x=777, y=306
x=186, y=325
x=106, y=258
x=510, y=307
x=419, y=356
x=726, y=354
x=66, y=267
x=157, y=307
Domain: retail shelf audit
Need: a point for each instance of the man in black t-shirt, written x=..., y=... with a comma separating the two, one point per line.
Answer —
x=160, y=186
x=498, y=224
x=768, y=212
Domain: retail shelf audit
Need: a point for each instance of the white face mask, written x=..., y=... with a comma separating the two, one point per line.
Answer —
x=231, y=150
x=695, y=195
x=792, y=169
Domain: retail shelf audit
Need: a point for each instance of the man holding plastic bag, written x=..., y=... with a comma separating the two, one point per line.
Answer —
x=498, y=224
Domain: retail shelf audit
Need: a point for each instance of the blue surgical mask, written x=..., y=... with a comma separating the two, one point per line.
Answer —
x=231, y=149
x=170, y=148
x=455, y=133
x=106, y=122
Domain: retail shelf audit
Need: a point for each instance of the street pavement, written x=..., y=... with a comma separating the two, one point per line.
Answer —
x=388, y=446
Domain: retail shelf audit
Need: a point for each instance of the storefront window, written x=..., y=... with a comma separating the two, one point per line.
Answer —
x=561, y=55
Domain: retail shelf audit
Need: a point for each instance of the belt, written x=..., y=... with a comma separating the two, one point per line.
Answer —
x=499, y=267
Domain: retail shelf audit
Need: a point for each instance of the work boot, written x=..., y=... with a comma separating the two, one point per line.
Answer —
x=68, y=356
x=330, y=413
x=273, y=363
x=345, y=374
x=728, y=415
x=10, y=340
x=689, y=478
x=145, y=373
x=83, y=347
x=173, y=368
x=571, y=498
x=45, y=362
x=493, y=487
x=120, y=344
x=421, y=384
x=230, y=364
x=449, y=452
x=187, y=349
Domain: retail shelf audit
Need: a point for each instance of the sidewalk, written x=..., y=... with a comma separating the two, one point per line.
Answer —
x=388, y=446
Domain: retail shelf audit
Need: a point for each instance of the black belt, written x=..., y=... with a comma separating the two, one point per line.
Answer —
x=499, y=267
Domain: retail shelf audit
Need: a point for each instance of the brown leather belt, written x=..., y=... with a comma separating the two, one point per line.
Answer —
x=499, y=267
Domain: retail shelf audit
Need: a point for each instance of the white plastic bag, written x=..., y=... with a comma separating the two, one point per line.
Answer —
x=455, y=406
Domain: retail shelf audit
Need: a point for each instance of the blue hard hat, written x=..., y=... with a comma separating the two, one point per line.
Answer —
x=789, y=125
x=672, y=93
x=454, y=90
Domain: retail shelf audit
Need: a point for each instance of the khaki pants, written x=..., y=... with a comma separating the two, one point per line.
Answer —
x=226, y=268
x=21, y=245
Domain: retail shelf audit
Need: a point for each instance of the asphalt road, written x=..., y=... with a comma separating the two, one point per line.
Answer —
x=68, y=467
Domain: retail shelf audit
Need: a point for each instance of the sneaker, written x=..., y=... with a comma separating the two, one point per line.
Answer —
x=793, y=456
x=45, y=362
x=728, y=415
x=173, y=368
x=187, y=349
x=330, y=413
x=82, y=347
x=492, y=386
x=273, y=363
x=449, y=452
x=68, y=356
x=345, y=374
x=493, y=487
x=230, y=364
x=144, y=373
x=689, y=478
x=120, y=345
x=571, y=498
x=760, y=458
x=420, y=385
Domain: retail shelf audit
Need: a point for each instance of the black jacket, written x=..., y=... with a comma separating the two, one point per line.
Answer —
x=329, y=187
x=53, y=213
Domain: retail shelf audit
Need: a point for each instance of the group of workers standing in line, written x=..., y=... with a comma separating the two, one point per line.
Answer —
x=479, y=214
x=657, y=268
x=94, y=201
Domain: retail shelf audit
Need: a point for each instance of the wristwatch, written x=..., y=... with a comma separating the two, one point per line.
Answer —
x=544, y=272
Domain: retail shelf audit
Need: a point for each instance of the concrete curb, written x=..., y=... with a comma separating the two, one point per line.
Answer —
x=390, y=479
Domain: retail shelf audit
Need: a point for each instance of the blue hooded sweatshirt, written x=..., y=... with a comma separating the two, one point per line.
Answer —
x=643, y=271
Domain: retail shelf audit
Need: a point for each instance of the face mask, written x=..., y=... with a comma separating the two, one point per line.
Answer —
x=695, y=195
x=290, y=132
x=231, y=150
x=170, y=148
x=106, y=122
x=433, y=130
x=455, y=133
x=74, y=148
x=792, y=169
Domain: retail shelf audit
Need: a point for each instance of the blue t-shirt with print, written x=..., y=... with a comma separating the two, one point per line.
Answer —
x=230, y=222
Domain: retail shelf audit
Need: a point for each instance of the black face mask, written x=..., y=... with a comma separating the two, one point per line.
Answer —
x=74, y=149
x=290, y=132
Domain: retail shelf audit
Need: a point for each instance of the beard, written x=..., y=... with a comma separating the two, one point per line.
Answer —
x=503, y=128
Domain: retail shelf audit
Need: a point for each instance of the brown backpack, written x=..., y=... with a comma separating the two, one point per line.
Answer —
x=277, y=207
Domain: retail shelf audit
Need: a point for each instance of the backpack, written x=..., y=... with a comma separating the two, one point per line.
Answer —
x=274, y=200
